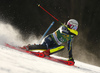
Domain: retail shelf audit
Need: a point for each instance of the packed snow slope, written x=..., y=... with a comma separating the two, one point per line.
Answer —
x=13, y=61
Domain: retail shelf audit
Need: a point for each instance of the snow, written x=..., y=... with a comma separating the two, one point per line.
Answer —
x=13, y=61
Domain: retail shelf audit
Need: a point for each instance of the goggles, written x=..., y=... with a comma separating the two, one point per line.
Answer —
x=72, y=26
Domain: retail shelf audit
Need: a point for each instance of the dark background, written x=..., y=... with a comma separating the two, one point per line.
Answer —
x=30, y=19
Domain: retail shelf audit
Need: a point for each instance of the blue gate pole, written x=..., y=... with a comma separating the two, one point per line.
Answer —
x=46, y=32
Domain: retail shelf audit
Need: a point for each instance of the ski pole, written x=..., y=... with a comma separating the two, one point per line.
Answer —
x=50, y=14
x=46, y=31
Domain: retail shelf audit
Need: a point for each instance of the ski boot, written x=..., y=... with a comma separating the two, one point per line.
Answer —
x=71, y=59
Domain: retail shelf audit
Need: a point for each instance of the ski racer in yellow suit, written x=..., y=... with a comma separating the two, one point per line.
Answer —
x=64, y=33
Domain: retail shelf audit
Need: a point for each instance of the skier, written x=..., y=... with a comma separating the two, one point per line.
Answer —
x=64, y=33
x=61, y=35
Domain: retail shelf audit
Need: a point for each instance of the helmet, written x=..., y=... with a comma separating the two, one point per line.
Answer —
x=72, y=24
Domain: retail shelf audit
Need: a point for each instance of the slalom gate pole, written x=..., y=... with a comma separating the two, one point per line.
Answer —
x=50, y=14
x=46, y=32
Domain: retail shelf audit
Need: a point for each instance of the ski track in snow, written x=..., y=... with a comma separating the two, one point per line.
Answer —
x=13, y=61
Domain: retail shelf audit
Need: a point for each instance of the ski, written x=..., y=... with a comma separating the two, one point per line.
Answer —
x=41, y=55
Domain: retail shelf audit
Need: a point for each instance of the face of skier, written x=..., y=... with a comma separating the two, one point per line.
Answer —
x=72, y=26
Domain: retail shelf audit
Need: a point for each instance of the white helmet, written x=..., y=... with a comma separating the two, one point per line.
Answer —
x=72, y=24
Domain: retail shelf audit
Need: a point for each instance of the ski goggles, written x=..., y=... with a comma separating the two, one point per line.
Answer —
x=72, y=26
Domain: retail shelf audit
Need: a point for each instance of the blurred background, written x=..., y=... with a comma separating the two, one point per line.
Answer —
x=26, y=16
